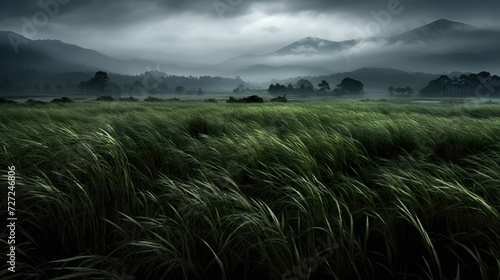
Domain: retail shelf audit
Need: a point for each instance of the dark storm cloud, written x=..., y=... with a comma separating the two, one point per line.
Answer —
x=115, y=12
x=422, y=7
x=218, y=29
x=16, y=9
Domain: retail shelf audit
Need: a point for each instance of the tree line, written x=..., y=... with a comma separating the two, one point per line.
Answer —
x=348, y=86
x=151, y=82
x=400, y=91
x=481, y=84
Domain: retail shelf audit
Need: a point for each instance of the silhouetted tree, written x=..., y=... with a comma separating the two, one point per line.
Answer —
x=391, y=90
x=349, y=86
x=271, y=89
x=277, y=89
x=179, y=89
x=239, y=89
x=304, y=86
x=99, y=82
x=324, y=86
x=137, y=88
x=481, y=84
x=408, y=91
x=47, y=87
x=437, y=87
x=399, y=91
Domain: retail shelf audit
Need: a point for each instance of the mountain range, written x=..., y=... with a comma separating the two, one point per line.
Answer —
x=57, y=56
x=441, y=46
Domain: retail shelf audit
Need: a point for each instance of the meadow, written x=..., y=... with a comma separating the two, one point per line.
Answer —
x=315, y=190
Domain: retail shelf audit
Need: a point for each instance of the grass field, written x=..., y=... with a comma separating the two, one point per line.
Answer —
x=233, y=191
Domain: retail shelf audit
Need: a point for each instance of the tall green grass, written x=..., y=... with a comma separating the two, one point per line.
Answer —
x=233, y=191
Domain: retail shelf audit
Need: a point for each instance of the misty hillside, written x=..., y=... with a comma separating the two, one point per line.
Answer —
x=435, y=30
x=441, y=46
x=57, y=56
x=314, y=46
x=32, y=81
x=261, y=72
x=375, y=79
x=29, y=56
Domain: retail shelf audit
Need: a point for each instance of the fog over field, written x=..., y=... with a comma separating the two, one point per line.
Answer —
x=255, y=40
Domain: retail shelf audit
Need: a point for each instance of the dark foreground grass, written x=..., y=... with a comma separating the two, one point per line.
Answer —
x=233, y=191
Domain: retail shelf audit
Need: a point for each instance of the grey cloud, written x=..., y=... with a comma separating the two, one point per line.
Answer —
x=271, y=29
x=115, y=12
x=132, y=28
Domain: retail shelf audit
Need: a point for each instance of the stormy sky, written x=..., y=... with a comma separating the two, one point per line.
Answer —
x=208, y=31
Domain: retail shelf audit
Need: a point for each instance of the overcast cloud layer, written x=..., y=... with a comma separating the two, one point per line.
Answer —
x=208, y=31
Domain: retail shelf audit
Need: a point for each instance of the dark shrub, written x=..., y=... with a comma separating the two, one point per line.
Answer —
x=62, y=100
x=153, y=99
x=249, y=99
x=280, y=99
x=129, y=99
x=105, y=98
x=233, y=100
x=35, y=102
x=253, y=99
x=3, y=101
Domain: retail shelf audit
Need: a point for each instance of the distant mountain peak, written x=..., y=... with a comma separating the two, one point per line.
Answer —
x=447, y=24
x=5, y=35
x=8, y=32
x=439, y=29
x=308, y=46
x=310, y=39
x=445, y=21
x=443, y=25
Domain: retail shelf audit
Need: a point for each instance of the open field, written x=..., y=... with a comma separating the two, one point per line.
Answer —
x=370, y=190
